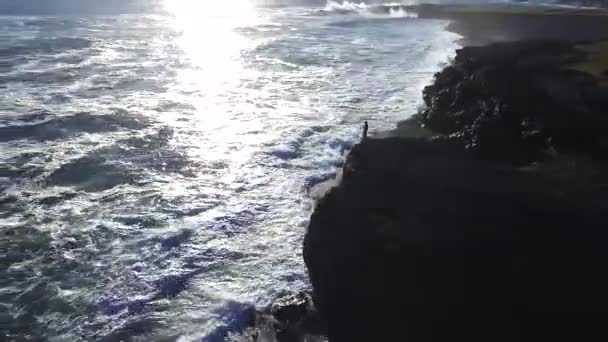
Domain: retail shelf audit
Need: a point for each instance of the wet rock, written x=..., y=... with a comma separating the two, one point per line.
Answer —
x=291, y=308
x=297, y=316
x=291, y=318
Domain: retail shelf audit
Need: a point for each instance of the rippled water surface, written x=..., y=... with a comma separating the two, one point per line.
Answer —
x=155, y=169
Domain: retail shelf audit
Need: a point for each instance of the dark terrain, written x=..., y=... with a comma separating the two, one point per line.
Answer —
x=481, y=218
x=494, y=229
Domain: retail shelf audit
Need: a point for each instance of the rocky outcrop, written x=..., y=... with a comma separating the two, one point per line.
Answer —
x=450, y=238
x=513, y=101
x=291, y=318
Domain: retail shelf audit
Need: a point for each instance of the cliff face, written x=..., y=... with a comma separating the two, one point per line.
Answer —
x=443, y=240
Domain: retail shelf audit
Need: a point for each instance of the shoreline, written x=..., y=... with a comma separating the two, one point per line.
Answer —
x=485, y=210
x=481, y=26
x=454, y=178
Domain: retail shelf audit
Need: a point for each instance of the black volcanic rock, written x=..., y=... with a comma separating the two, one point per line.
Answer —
x=509, y=102
x=493, y=230
x=422, y=242
x=291, y=318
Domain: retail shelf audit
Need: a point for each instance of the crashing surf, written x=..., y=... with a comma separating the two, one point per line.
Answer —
x=361, y=8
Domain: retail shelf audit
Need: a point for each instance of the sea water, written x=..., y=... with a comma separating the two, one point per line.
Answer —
x=155, y=165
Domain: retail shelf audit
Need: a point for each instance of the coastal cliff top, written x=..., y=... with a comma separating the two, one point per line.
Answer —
x=482, y=25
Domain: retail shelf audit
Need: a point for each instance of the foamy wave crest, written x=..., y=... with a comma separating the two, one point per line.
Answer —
x=345, y=7
x=397, y=10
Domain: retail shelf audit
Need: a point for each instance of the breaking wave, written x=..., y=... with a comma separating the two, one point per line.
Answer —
x=46, y=46
x=66, y=126
x=398, y=10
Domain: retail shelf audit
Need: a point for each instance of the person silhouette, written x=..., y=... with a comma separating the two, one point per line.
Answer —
x=365, y=128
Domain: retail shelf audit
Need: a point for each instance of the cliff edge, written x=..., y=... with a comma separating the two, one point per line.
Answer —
x=493, y=228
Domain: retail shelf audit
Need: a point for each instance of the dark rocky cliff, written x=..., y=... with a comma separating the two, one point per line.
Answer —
x=512, y=101
x=493, y=230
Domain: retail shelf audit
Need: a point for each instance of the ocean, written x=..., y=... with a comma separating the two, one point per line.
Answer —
x=156, y=167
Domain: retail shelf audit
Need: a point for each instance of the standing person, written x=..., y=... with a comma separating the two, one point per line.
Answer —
x=365, y=128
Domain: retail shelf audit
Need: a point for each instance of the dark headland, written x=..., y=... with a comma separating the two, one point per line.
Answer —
x=484, y=217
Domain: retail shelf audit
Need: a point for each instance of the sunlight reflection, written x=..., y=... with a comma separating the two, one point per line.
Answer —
x=208, y=31
x=202, y=8
x=213, y=71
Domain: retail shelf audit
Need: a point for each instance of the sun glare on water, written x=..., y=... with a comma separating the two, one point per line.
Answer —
x=208, y=26
x=209, y=37
x=212, y=45
x=194, y=9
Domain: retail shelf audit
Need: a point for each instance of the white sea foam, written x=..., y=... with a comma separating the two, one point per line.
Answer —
x=335, y=6
x=394, y=10
x=163, y=188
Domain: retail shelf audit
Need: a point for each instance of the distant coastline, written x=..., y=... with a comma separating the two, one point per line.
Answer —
x=491, y=24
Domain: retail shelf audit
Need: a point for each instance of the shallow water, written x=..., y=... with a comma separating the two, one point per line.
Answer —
x=155, y=168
